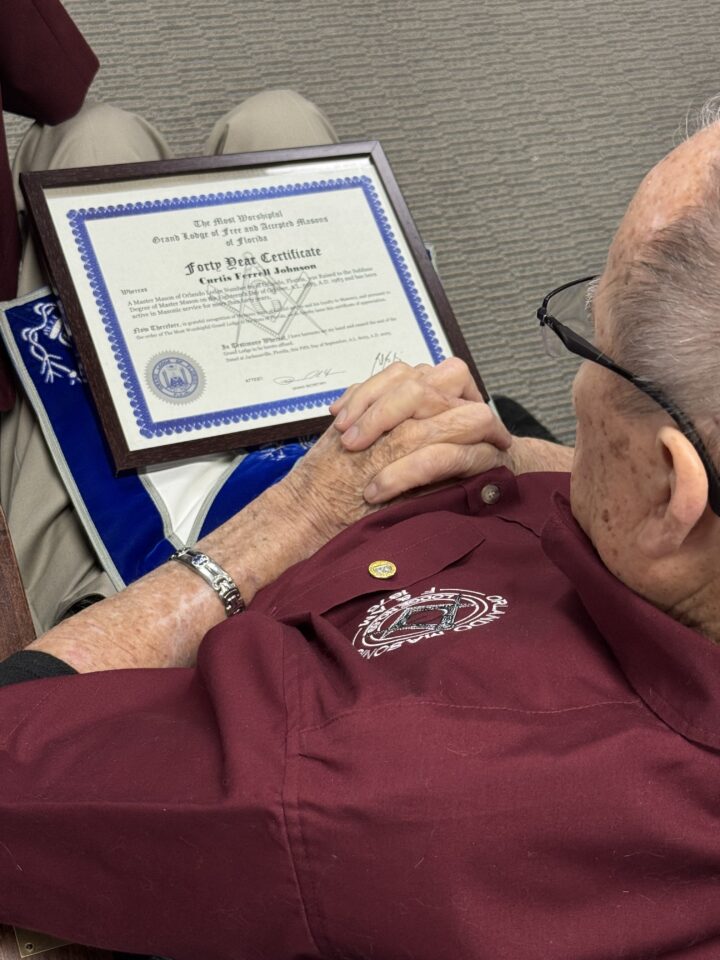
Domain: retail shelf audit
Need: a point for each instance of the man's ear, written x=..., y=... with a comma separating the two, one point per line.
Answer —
x=672, y=519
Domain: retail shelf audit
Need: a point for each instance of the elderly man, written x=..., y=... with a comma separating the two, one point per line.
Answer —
x=479, y=723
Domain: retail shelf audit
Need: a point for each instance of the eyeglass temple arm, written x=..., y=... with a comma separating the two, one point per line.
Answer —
x=579, y=346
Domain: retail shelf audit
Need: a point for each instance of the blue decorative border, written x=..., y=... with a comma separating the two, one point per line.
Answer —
x=246, y=415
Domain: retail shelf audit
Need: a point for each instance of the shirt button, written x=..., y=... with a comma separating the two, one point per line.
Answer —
x=490, y=493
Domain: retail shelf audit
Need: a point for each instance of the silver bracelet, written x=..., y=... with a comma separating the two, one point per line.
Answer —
x=214, y=575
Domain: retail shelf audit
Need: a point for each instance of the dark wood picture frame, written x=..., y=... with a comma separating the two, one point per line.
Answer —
x=35, y=186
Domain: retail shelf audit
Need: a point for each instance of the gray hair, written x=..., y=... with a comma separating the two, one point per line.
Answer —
x=666, y=314
x=706, y=116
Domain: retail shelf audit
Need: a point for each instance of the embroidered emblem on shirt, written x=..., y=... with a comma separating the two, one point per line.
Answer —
x=401, y=618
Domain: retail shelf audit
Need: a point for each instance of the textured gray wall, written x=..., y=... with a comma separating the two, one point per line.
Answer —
x=518, y=131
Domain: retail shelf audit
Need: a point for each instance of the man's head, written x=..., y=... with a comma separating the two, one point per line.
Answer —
x=639, y=487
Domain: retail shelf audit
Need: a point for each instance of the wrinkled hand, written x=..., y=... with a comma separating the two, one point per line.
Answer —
x=405, y=428
x=465, y=437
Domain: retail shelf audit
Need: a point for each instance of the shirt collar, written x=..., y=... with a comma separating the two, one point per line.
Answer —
x=673, y=668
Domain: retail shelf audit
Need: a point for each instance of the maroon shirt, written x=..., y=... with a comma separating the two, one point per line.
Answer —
x=500, y=752
x=46, y=68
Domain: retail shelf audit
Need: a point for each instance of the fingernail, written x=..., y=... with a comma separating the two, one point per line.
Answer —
x=352, y=434
x=371, y=491
x=341, y=417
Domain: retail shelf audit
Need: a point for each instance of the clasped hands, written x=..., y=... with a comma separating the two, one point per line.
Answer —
x=402, y=430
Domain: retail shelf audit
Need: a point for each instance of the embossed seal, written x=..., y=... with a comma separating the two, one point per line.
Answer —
x=175, y=377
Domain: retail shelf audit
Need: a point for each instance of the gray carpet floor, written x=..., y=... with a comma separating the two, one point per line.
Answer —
x=517, y=130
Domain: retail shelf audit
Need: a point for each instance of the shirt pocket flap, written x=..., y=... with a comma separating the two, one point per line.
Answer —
x=418, y=548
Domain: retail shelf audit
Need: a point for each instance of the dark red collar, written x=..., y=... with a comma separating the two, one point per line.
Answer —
x=673, y=668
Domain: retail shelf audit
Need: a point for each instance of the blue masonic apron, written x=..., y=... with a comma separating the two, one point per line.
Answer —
x=134, y=521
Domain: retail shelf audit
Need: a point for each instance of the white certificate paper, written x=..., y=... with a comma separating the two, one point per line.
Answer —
x=236, y=299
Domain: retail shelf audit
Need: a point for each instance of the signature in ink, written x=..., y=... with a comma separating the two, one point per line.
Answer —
x=312, y=377
x=383, y=360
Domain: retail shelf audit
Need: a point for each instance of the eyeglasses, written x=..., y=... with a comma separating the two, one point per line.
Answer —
x=571, y=302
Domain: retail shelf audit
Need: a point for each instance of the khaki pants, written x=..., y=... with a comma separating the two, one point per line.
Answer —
x=56, y=560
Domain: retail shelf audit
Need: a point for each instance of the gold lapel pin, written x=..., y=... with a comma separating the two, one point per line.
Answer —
x=382, y=569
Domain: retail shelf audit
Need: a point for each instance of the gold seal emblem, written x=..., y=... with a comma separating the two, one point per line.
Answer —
x=382, y=569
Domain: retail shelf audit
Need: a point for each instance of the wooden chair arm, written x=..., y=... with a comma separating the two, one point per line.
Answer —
x=17, y=629
x=14, y=945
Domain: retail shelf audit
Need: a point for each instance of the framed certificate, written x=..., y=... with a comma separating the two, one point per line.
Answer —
x=223, y=302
